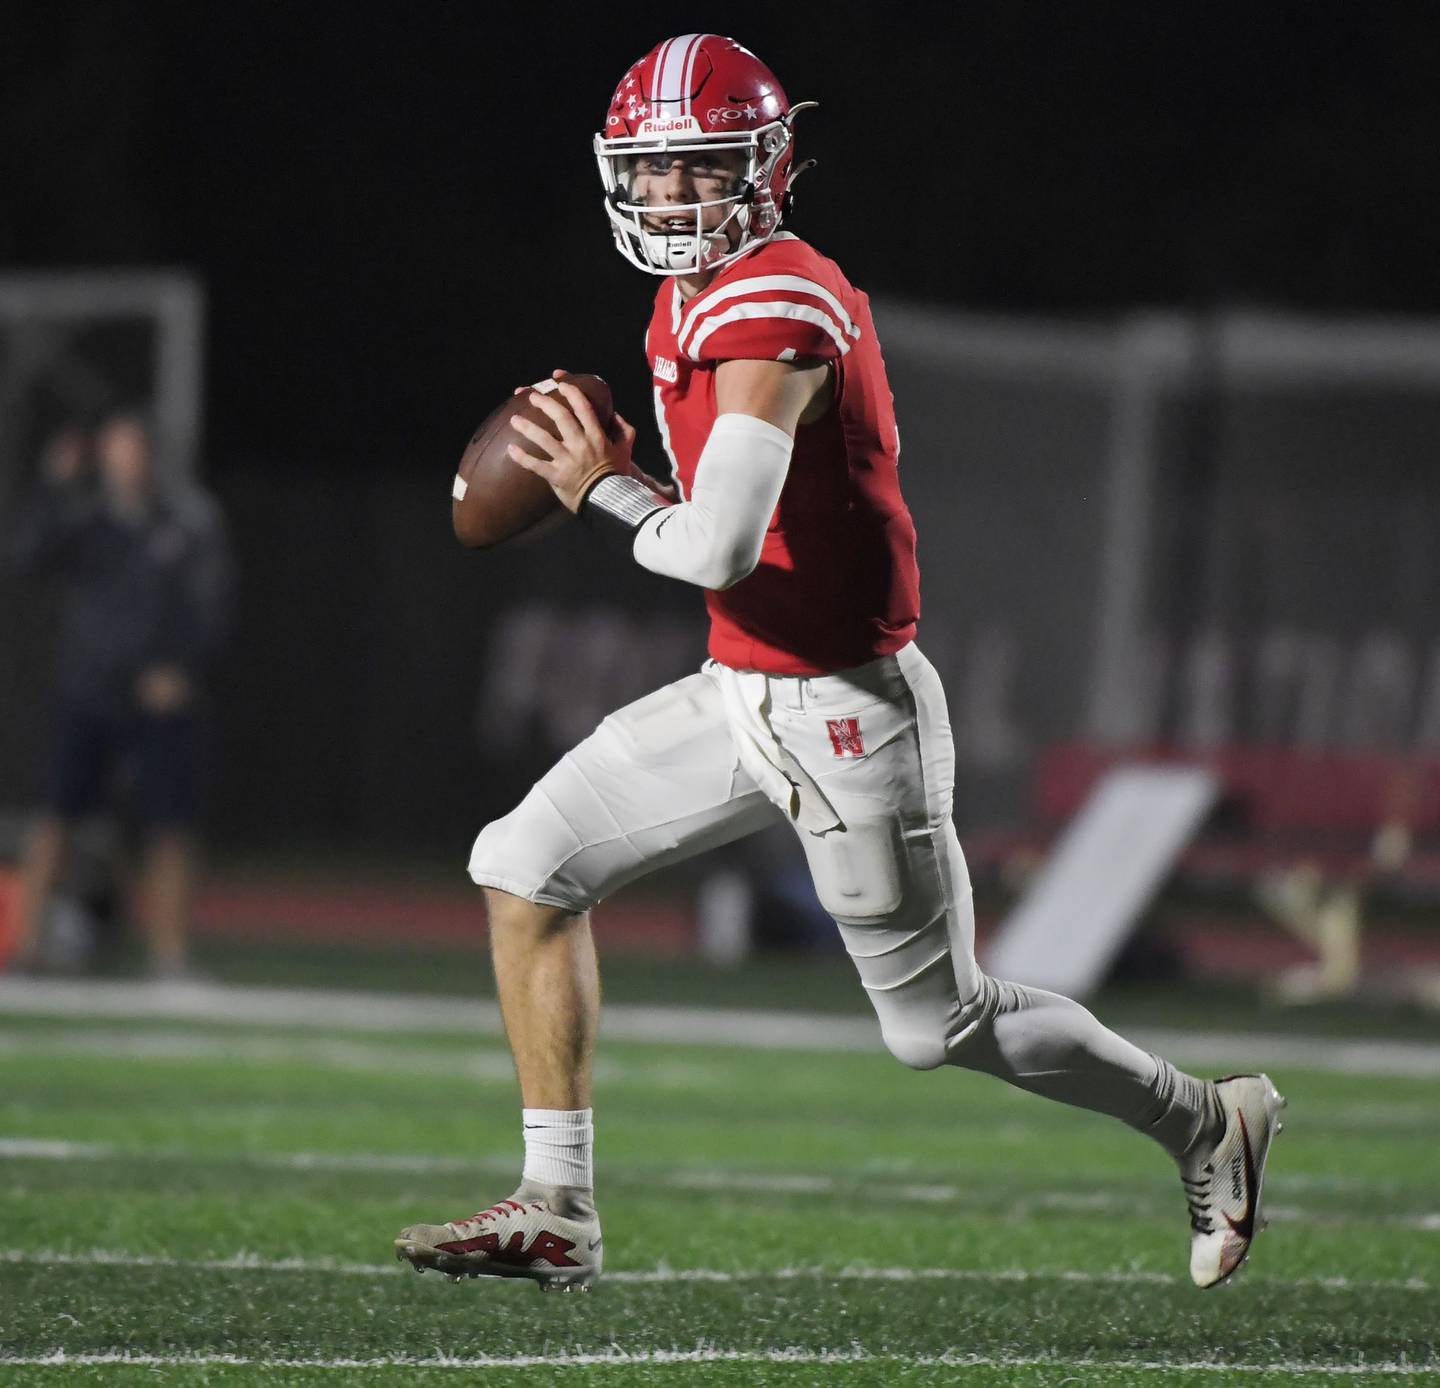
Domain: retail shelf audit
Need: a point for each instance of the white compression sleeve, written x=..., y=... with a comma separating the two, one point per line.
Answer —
x=714, y=537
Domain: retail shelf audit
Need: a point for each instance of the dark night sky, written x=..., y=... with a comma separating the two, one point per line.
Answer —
x=396, y=213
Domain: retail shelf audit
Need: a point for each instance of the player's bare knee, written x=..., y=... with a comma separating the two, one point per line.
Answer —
x=509, y=914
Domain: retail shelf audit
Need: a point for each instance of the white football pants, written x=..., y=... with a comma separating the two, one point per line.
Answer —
x=861, y=764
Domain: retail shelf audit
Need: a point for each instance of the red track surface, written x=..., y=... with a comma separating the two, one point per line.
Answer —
x=392, y=915
x=1209, y=943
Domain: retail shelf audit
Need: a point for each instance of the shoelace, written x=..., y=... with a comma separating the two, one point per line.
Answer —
x=1197, y=1197
x=499, y=1210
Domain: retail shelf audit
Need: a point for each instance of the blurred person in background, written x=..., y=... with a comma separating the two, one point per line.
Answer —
x=145, y=575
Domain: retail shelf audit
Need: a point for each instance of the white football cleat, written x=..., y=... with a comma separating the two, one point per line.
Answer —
x=519, y=1237
x=1222, y=1183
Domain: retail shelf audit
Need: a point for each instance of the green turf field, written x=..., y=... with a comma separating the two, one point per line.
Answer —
x=216, y=1203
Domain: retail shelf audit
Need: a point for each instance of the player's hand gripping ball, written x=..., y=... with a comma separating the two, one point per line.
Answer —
x=575, y=450
x=494, y=498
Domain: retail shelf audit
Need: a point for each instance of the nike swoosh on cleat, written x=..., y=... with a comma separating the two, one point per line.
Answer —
x=595, y=1243
x=1245, y=1225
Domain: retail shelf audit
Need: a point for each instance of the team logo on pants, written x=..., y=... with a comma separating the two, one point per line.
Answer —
x=845, y=736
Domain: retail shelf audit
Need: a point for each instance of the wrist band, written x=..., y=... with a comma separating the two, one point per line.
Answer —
x=620, y=501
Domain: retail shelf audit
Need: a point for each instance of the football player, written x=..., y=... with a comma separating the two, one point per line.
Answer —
x=815, y=707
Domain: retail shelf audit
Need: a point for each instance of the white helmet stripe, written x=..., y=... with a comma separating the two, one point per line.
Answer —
x=670, y=70
x=653, y=95
x=687, y=79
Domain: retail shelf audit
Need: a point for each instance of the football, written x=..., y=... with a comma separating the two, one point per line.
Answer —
x=493, y=498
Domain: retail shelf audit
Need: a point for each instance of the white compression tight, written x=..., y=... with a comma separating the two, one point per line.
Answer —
x=1050, y=1045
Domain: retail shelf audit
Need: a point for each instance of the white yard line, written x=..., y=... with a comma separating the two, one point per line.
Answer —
x=488, y=1063
x=206, y=1047
x=378, y=1057
x=617, y=1356
x=389, y=1012
x=1252, y=1050
x=695, y=1178
x=47, y=1149
x=253, y=1262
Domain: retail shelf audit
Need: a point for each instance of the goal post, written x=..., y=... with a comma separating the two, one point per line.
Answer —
x=73, y=345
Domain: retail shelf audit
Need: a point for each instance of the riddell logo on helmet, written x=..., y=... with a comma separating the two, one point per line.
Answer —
x=670, y=125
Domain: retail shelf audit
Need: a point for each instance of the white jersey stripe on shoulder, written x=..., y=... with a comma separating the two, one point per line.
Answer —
x=774, y=308
x=797, y=284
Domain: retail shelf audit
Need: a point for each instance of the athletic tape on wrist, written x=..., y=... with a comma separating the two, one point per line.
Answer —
x=620, y=502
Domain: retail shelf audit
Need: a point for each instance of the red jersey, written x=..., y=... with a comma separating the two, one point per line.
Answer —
x=837, y=583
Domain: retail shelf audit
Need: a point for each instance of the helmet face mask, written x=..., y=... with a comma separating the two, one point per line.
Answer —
x=692, y=96
x=720, y=228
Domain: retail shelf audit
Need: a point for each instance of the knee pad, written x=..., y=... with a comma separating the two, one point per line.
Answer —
x=965, y=1037
x=487, y=850
x=526, y=854
x=920, y=1050
x=972, y=1036
x=909, y=978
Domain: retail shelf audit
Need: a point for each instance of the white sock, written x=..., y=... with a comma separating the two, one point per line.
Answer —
x=558, y=1146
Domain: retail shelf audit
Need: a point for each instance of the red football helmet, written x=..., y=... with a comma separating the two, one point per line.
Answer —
x=698, y=92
